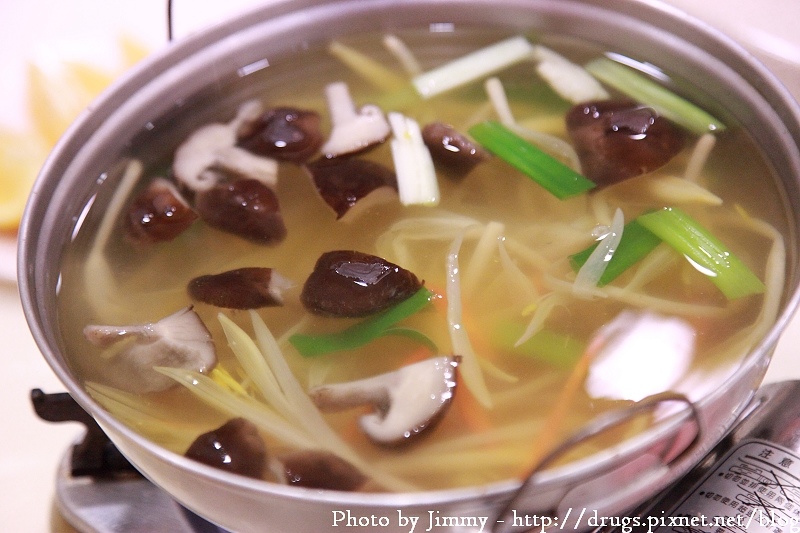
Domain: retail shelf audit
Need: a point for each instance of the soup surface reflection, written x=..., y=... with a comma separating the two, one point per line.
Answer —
x=499, y=330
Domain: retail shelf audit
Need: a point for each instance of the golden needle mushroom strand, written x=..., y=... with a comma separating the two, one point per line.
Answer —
x=470, y=368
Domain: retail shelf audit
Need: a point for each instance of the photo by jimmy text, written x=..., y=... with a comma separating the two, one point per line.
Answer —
x=433, y=520
x=413, y=523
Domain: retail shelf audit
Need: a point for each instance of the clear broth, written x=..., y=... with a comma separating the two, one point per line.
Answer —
x=151, y=282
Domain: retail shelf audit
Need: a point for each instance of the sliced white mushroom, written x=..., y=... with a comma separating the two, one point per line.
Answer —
x=406, y=401
x=212, y=147
x=353, y=130
x=180, y=340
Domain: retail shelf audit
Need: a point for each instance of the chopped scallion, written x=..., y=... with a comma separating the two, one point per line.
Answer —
x=646, y=91
x=550, y=173
x=555, y=348
x=473, y=66
x=363, y=332
x=709, y=255
x=635, y=244
x=551, y=347
x=413, y=165
x=415, y=335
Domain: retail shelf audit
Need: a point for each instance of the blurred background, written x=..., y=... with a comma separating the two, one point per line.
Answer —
x=55, y=56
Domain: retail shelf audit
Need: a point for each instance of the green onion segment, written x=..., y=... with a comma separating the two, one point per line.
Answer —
x=551, y=347
x=646, y=91
x=550, y=173
x=416, y=175
x=363, y=332
x=473, y=66
x=635, y=244
x=704, y=250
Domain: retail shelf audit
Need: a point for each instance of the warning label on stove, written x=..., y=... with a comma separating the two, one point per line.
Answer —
x=754, y=489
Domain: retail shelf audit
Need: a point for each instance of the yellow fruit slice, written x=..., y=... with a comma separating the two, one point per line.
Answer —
x=132, y=50
x=91, y=80
x=21, y=157
x=57, y=94
x=58, y=91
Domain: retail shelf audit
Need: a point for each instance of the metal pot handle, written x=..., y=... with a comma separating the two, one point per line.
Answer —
x=594, y=428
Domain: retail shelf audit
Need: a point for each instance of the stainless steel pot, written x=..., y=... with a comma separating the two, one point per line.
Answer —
x=634, y=470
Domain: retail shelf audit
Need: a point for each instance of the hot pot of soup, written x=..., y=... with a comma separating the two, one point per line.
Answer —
x=376, y=264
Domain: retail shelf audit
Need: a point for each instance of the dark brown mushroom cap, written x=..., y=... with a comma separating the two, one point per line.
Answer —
x=158, y=214
x=451, y=151
x=343, y=181
x=347, y=283
x=284, y=133
x=234, y=447
x=318, y=469
x=242, y=288
x=619, y=139
x=244, y=207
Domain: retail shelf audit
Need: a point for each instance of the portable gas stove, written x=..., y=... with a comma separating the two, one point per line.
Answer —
x=97, y=489
x=751, y=476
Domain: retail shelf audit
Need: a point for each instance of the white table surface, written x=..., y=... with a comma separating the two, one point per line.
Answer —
x=31, y=449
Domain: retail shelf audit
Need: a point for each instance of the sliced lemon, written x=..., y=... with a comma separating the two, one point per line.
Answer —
x=21, y=157
x=132, y=51
x=59, y=89
x=91, y=80
x=57, y=94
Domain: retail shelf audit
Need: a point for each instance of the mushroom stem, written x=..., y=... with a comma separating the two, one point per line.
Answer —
x=243, y=163
x=353, y=130
x=213, y=147
x=406, y=401
x=340, y=103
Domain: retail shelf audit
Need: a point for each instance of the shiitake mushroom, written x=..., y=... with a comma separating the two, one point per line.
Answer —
x=241, y=288
x=159, y=213
x=451, y=151
x=235, y=447
x=245, y=207
x=406, y=402
x=284, y=133
x=348, y=283
x=318, y=469
x=179, y=340
x=343, y=181
x=209, y=154
x=620, y=139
